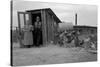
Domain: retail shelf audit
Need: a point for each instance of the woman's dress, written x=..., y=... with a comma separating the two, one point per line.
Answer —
x=28, y=36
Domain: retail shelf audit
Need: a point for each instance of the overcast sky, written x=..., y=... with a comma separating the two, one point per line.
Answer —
x=87, y=14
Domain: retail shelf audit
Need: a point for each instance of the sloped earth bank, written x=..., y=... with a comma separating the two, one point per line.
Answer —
x=50, y=55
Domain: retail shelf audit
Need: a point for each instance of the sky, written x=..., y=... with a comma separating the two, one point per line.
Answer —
x=86, y=14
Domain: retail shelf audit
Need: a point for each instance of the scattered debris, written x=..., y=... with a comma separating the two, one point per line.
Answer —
x=66, y=38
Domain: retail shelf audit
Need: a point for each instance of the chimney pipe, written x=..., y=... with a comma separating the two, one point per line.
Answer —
x=76, y=19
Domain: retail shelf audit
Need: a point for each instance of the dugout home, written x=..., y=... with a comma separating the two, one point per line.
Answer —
x=48, y=19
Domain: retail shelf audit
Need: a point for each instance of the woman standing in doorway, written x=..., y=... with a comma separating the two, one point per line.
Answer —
x=28, y=36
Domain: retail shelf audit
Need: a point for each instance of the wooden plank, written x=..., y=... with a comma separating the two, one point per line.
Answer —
x=30, y=18
x=20, y=40
x=43, y=17
x=51, y=23
x=35, y=12
x=24, y=18
x=52, y=28
x=42, y=26
x=50, y=34
x=49, y=29
x=46, y=25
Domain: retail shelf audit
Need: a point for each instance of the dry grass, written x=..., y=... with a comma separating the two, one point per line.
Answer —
x=50, y=55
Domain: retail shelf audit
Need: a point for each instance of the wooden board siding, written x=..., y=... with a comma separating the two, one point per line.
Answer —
x=47, y=27
x=54, y=29
x=50, y=27
x=43, y=17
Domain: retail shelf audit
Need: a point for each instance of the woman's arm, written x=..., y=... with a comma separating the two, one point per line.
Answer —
x=31, y=27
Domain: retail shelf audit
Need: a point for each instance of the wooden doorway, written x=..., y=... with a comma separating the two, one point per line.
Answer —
x=34, y=16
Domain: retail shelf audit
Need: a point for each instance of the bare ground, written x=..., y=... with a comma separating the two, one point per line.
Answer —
x=50, y=55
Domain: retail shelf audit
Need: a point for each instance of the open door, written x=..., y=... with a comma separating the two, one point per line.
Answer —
x=23, y=17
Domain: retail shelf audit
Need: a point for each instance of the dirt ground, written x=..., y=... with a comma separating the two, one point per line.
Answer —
x=50, y=55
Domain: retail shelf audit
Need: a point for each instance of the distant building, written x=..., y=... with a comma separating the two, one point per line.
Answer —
x=86, y=29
